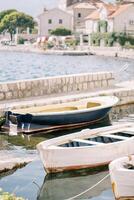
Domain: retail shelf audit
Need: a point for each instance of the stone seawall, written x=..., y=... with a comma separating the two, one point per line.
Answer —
x=55, y=85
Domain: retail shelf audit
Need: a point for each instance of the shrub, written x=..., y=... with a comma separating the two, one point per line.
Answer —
x=7, y=196
x=21, y=40
x=102, y=24
x=61, y=32
x=110, y=38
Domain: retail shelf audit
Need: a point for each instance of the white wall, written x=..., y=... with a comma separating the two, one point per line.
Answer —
x=54, y=15
x=91, y=26
x=79, y=23
x=121, y=22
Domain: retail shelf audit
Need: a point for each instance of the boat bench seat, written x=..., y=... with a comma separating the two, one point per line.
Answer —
x=114, y=136
x=88, y=105
x=87, y=142
x=92, y=104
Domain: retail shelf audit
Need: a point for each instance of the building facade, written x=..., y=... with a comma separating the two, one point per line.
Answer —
x=55, y=18
x=119, y=18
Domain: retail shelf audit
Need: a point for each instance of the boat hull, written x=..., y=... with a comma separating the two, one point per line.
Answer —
x=71, y=118
x=70, y=113
x=122, y=179
x=59, y=159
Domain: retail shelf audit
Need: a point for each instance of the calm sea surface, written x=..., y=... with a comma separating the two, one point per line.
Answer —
x=17, y=66
x=31, y=181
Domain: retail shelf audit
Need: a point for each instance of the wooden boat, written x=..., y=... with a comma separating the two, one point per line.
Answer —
x=122, y=177
x=87, y=149
x=67, y=114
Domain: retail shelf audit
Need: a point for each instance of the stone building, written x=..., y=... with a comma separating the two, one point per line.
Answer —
x=79, y=9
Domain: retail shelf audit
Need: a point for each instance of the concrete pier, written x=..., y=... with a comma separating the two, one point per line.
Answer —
x=124, y=91
x=9, y=160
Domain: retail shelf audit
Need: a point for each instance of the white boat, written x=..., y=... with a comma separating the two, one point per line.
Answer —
x=87, y=149
x=122, y=177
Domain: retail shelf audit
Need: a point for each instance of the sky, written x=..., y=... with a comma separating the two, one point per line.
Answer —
x=32, y=7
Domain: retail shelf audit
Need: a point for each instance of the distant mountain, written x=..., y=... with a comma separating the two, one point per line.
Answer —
x=32, y=7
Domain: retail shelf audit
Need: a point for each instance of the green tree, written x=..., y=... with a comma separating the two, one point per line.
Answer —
x=61, y=32
x=14, y=20
x=6, y=12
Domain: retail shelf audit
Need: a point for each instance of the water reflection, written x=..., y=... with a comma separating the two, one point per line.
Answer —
x=30, y=141
x=65, y=186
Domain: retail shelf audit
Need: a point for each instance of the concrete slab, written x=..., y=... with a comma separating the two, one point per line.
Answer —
x=10, y=160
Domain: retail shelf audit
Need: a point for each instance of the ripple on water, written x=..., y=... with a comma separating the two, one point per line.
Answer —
x=17, y=66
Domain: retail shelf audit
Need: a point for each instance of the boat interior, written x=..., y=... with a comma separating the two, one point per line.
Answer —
x=100, y=139
x=58, y=107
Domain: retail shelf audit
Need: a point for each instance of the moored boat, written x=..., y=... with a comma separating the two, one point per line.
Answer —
x=66, y=114
x=122, y=178
x=87, y=149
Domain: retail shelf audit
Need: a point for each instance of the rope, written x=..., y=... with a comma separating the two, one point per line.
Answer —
x=124, y=68
x=92, y=187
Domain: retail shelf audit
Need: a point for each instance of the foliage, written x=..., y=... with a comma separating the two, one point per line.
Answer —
x=95, y=39
x=14, y=20
x=121, y=38
x=50, y=45
x=71, y=42
x=21, y=40
x=102, y=24
x=129, y=46
x=7, y=196
x=6, y=12
x=111, y=38
x=61, y=32
x=34, y=31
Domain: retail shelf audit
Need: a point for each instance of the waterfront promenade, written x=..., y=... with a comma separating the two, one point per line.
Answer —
x=84, y=50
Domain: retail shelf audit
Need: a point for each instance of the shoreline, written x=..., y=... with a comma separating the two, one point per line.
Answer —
x=97, y=51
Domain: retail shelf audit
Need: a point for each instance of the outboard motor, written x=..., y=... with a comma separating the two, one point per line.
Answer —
x=25, y=120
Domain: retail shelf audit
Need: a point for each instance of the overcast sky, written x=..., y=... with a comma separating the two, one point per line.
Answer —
x=32, y=7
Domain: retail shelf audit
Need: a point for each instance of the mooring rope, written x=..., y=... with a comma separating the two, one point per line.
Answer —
x=124, y=68
x=92, y=187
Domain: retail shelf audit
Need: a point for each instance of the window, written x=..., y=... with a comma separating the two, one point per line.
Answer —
x=50, y=21
x=60, y=21
x=79, y=15
x=131, y=22
x=49, y=31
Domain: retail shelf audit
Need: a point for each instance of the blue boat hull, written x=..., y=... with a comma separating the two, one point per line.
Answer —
x=71, y=118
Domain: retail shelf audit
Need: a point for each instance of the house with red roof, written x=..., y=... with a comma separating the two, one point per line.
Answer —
x=120, y=18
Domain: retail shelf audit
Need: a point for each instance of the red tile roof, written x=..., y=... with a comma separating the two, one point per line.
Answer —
x=113, y=11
